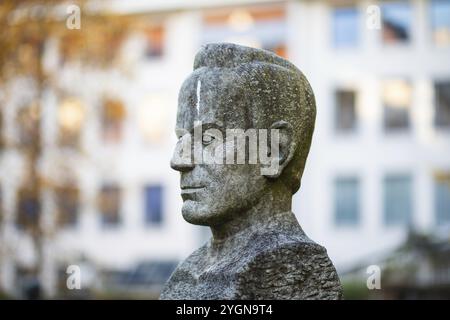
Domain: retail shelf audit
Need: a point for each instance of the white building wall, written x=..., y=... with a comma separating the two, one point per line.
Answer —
x=369, y=153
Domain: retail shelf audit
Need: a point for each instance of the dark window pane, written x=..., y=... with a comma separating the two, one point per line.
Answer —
x=113, y=114
x=395, y=118
x=28, y=208
x=67, y=203
x=28, y=119
x=345, y=27
x=442, y=199
x=345, y=117
x=442, y=102
x=396, y=22
x=110, y=205
x=346, y=201
x=155, y=41
x=27, y=282
x=397, y=200
x=153, y=204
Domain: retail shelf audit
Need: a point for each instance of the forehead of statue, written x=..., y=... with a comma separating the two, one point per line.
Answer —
x=212, y=97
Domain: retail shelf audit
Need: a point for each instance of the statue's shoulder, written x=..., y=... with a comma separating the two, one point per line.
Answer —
x=185, y=277
x=286, y=265
x=194, y=260
x=270, y=241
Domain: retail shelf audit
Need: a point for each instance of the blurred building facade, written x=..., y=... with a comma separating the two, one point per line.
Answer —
x=379, y=163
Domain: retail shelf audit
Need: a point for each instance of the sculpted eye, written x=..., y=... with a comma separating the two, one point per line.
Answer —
x=207, y=139
x=179, y=133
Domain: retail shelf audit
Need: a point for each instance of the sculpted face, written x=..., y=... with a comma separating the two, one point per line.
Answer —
x=213, y=193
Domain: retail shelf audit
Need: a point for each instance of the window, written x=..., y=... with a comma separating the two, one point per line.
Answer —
x=153, y=204
x=345, y=26
x=155, y=41
x=397, y=200
x=345, y=111
x=28, y=125
x=346, y=201
x=396, y=102
x=70, y=121
x=28, y=208
x=262, y=26
x=397, y=16
x=442, y=103
x=440, y=21
x=442, y=198
x=67, y=203
x=110, y=205
x=27, y=282
x=113, y=114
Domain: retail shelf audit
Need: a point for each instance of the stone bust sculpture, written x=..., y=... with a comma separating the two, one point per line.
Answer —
x=258, y=249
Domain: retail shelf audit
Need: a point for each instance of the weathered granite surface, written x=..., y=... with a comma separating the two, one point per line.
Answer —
x=258, y=249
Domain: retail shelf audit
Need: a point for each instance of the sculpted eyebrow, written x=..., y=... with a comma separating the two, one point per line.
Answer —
x=181, y=131
x=211, y=125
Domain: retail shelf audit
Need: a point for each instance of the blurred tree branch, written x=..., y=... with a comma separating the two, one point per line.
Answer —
x=25, y=28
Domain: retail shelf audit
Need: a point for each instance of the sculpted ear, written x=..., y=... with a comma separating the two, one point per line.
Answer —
x=281, y=153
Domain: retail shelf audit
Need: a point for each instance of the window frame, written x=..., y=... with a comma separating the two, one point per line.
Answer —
x=407, y=219
x=355, y=221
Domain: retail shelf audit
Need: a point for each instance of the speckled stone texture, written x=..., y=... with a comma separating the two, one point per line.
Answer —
x=258, y=249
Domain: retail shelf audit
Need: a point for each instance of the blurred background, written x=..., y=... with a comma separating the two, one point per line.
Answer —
x=87, y=120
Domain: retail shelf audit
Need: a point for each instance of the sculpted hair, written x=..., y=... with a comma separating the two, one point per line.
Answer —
x=279, y=91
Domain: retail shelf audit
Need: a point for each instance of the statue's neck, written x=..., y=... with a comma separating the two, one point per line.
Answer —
x=269, y=212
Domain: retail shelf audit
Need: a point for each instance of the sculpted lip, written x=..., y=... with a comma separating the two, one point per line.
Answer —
x=191, y=189
x=190, y=193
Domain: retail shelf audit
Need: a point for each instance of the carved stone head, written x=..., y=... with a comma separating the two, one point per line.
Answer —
x=253, y=92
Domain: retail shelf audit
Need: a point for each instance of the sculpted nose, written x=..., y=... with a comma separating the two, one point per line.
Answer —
x=181, y=158
x=181, y=166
